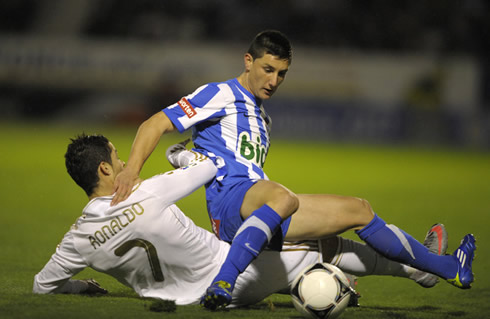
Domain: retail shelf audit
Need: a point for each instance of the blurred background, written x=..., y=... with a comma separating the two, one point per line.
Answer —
x=372, y=71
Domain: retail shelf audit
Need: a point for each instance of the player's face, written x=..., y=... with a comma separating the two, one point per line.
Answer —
x=117, y=163
x=265, y=74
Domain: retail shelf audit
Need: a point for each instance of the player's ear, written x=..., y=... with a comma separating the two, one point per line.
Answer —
x=105, y=168
x=248, y=59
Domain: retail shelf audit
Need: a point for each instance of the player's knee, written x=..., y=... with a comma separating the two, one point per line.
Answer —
x=360, y=211
x=290, y=200
x=364, y=211
x=284, y=202
x=293, y=201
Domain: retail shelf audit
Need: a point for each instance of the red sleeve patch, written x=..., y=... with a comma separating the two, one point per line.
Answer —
x=186, y=107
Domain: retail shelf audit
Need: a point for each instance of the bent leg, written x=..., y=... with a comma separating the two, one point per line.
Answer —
x=321, y=216
x=324, y=215
x=276, y=196
x=265, y=205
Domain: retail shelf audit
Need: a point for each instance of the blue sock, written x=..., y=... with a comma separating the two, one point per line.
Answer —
x=251, y=238
x=395, y=244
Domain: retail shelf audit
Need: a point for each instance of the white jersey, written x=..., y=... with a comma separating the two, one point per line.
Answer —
x=145, y=242
x=148, y=244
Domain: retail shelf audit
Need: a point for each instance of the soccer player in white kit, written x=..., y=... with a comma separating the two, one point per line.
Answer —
x=148, y=244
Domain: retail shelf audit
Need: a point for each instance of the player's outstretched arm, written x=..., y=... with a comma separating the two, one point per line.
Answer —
x=73, y=286
x=56, y=275
x=146, y=140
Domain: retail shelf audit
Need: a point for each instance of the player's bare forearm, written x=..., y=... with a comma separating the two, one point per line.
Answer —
x=144, y=144
x=146, y=140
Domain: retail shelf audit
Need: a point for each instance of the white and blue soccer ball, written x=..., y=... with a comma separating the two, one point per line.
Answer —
x=321, y=291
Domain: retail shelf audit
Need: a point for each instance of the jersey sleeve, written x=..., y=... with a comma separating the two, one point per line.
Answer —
x=56, y=274
x=206, y=103
x=177, y=184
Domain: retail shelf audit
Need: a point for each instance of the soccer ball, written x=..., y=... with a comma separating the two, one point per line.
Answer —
x=321, y=291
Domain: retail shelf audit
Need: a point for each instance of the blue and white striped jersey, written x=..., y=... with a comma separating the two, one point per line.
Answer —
x=229, y=122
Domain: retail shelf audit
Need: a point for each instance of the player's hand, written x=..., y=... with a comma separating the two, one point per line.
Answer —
x=123, y=185
x=173, y=152
x=93, y=288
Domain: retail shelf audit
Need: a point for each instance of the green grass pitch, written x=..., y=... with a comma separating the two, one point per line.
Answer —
x=411, y=187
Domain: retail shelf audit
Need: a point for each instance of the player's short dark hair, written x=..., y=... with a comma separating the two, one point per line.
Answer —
x=83, y=157
x=271, y=42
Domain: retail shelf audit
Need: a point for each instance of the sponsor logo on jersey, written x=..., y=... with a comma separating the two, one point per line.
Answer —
x=252, y=151
x=187, y=107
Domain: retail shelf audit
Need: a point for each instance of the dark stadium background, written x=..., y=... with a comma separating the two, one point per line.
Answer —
x=110, y=61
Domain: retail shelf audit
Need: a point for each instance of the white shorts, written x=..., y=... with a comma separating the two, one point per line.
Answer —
x=274, y=272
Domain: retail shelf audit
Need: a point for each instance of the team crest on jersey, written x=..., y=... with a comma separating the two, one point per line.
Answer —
x=187, y=107
x=252, y=151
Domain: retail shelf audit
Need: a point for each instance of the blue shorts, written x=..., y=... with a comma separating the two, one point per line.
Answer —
x=224, y=201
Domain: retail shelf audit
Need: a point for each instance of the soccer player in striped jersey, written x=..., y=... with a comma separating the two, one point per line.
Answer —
x=148, y=244
x=230, y=125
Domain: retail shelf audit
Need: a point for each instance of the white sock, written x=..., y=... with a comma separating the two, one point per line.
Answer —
x=185, y=158
x=361, y=260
